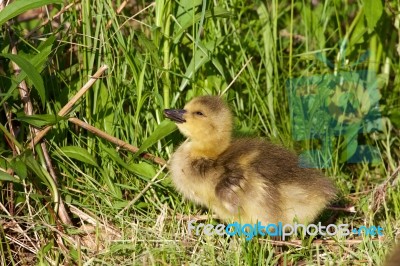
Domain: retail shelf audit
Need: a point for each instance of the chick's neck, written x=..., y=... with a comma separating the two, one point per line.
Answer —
x=209, y=149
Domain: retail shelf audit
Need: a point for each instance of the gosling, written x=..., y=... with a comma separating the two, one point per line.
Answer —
x=243, y=179
x=394, y=258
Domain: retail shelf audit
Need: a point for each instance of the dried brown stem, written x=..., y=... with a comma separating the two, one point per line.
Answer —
x=115, y=140
x=16, y=151
x=67, y=108
x=62, y=211
x=28, y=109
x=47, y=20
x=123, y=4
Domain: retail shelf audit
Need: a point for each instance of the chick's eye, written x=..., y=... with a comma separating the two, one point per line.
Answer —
x=199, y=113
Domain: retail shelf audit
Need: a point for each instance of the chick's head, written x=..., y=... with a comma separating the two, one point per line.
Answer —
x=206, y=121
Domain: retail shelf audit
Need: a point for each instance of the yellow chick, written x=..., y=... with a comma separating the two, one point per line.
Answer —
x=243, y=179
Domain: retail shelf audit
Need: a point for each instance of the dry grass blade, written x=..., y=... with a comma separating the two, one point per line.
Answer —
x=143, y=191
x=238, y=74
x=379, y=194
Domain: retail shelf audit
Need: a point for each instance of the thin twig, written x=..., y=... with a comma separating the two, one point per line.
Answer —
x=47, y=20
x=123, y=4
x=115, y=140
x=67, y=108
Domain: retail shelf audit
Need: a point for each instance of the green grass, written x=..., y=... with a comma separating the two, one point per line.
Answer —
x=162, y=54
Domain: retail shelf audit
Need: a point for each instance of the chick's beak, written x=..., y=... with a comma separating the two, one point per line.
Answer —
x=175, y=115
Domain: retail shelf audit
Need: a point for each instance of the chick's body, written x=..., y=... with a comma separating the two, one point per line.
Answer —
x=246, y=180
